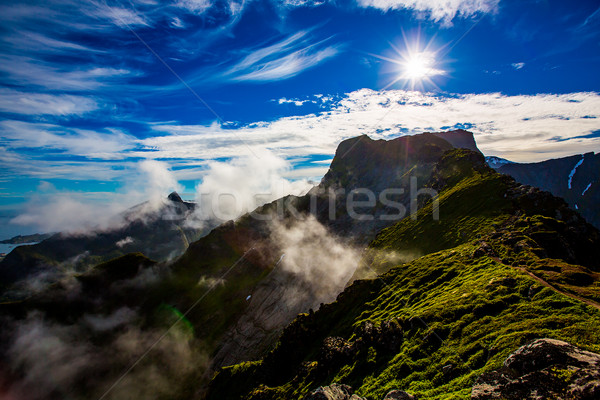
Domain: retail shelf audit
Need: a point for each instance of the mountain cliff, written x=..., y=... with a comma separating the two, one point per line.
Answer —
x=359, y=164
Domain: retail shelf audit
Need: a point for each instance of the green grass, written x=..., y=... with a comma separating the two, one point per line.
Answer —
x=479, y=324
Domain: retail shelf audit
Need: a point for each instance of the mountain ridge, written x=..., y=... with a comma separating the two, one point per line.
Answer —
x=433, y=325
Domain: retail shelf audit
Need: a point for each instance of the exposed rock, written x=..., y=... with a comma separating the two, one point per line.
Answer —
x=545, y=368
x=175, y=197
x=334, y=391
x=399, y=395
x=334, y=349
x=484, y=249
x=533, y=290
x=386, y=336
x=447, y=369
x=459, y=138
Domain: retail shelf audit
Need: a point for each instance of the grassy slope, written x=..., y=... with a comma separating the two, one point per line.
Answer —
x=456, y=306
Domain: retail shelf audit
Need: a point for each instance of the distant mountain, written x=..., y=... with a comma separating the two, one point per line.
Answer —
x=576, y=179
x=496, y=162
x=160, y=232
x=20, y=239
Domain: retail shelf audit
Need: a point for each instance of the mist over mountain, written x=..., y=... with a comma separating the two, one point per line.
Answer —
x=162, y=231
x=299, y=200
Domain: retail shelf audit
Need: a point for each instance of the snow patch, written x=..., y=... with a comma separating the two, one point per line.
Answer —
x=574, y=170
x=496, y=162
x=586, y=188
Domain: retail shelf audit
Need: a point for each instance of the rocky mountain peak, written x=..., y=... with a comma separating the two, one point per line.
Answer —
x=175, y=197
x=459, y=138
x=365, y=162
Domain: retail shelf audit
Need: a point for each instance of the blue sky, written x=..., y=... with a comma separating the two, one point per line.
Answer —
x=98, y=98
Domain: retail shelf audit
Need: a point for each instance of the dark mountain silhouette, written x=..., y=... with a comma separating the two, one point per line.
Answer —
x=575, y=178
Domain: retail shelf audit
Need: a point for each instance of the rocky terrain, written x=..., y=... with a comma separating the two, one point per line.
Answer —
x=545, y=368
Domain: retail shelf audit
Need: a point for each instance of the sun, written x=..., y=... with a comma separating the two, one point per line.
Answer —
x=415, y=66
x=418, y=66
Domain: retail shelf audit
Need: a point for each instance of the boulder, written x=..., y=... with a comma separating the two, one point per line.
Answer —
x=334, y=391
x=543, y=369
x=399, y=395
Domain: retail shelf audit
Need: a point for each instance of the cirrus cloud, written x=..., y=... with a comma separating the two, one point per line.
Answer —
x=436, y=10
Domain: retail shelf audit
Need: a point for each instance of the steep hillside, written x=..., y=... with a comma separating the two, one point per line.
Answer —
x=576, y=179
x=505, y=264
x=359, y=163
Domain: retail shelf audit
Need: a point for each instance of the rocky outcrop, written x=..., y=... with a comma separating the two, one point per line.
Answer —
x=399, y=395
x=344, y=392
x=333, y=392
x=273, y=304
x=543, y=369
x=459, y=138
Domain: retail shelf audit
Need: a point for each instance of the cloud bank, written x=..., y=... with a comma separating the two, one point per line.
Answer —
x=520, y=128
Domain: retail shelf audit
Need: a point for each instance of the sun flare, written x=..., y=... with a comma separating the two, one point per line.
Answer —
x=416, y=65
x=419, y=66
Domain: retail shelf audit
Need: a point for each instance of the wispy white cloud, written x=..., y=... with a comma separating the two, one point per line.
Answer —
x=518, y=65
x=230, y=189
x=40, y=43
x=296, y=102
x=119, y=16
x=74, y=142
x=301, y=3
x=51, y=210
x=439, y=11
x=27, y=71
x=282, y=60
x=195, y=6
x=17, y=102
